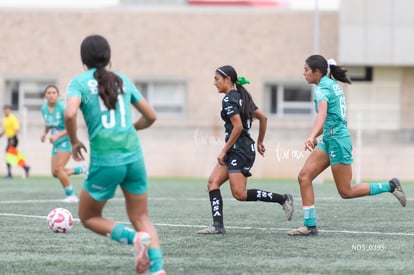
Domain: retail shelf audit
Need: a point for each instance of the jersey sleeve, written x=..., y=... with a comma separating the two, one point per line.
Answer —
x=73, y=89
x=231, y=106
x=62, y=107
x=321, y=94
x=131, y=88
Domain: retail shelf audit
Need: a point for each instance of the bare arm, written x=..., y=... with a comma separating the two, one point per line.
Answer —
x=258, y=114
x=317, y=129
x=235, y=134
x=148, y=114
x=45, y=131
x=71, y=112
x=57, y=136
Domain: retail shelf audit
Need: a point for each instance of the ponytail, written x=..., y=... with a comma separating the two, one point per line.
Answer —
x=109, y=85
x=338, y=73
x=96, y=53
x=248, y=107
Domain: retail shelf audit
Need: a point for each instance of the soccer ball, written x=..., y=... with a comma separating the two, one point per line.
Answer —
x=60, y=220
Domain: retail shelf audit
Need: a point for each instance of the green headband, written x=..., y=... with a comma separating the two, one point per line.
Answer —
x=242, y=80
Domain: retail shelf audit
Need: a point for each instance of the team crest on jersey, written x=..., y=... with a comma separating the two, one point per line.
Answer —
x=93, y=86
x=234, y=162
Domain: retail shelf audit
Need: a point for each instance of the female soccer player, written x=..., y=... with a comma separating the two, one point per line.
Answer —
x=335, y=147
x=238, y=154
x=116, y=158
x=53, y=115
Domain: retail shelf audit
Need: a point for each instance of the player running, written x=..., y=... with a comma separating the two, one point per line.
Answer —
x=238, y=154
x=104, y=98
x=335, y=147
x=53, y=115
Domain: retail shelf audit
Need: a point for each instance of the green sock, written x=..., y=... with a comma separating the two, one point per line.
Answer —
x=123, y=234
x=69, y=190
x=155, y=257
x=78, y=170
x=309, y=216
x=376, y=188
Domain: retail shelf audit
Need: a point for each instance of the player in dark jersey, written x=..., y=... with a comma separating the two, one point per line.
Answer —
x=238, y=154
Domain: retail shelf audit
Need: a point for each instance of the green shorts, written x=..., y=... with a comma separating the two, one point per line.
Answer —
x=102, y=181
x=338, y=148
x=62, y=147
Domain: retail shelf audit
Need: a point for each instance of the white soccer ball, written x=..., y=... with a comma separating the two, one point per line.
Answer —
x=60, y=220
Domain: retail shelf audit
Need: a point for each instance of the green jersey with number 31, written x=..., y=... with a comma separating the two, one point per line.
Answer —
x=113, y=138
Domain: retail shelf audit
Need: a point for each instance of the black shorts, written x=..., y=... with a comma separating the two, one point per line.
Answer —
x=239, y=162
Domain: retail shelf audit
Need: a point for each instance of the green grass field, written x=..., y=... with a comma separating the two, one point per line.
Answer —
x=372, y=235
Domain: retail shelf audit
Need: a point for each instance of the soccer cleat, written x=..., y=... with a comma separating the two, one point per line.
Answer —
x=160, y=272
x=288, y=206
x=71, y=199
x=212, y=230
x=304, y=231
x=397, y=191
x=141, y=244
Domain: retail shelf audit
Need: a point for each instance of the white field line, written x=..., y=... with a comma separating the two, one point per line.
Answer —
x=182, y=199
x=240, y=227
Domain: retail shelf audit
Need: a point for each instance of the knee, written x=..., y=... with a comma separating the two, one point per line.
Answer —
x=57, y=171
x=86, y=221
x=303, y=178
x=212, y=184
x=345, y=194
x=239, y=195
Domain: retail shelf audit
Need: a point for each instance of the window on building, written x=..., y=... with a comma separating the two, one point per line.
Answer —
x=286, y=100
x=24, y=94
x=360, y=74
x=168, y=98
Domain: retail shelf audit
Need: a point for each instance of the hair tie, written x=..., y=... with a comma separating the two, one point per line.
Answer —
x=242, y=80
x=331, y=61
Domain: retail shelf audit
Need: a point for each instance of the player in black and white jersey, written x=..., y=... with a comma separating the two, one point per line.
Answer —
x=238, y=154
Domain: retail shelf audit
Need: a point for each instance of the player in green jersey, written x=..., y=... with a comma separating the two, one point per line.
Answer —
x=53, y=115
x=335, y=147
x=238, y=154
x=116, y=159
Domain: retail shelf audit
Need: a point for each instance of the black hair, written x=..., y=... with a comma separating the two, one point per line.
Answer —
x=248, y=107
x=96, y=53
x=51, y=86
x=318, y=62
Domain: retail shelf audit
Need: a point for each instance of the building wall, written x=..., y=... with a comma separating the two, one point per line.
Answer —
x=185, y=43
x=379, y=32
